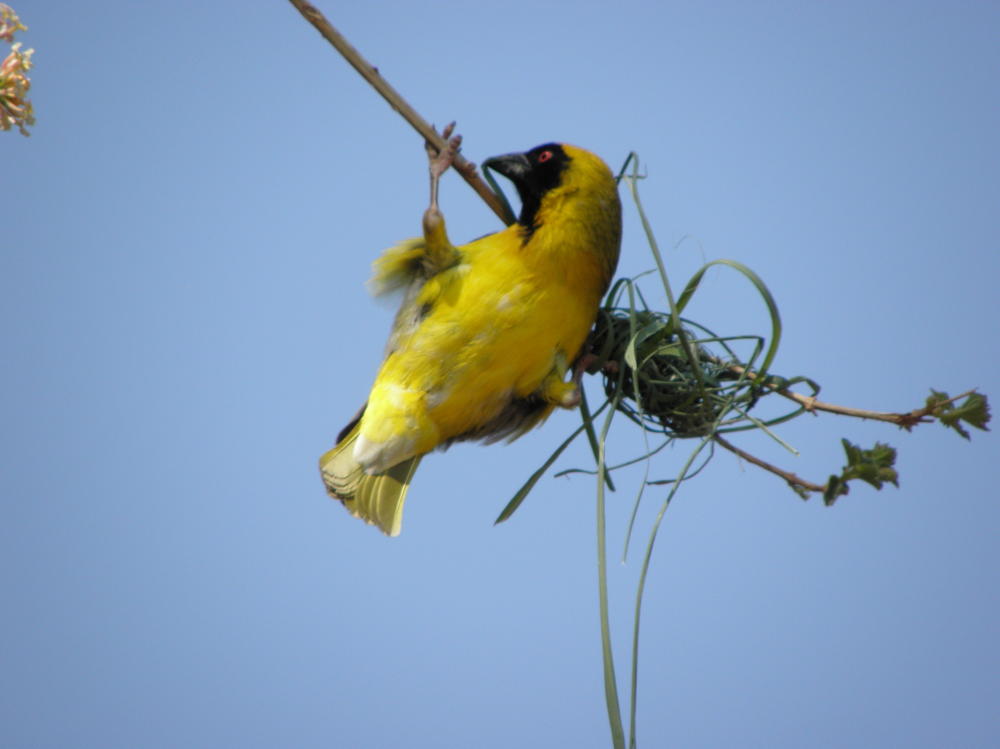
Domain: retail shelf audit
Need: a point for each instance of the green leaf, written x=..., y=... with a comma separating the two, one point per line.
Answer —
x=649, y=329
x=874, y=466
x=974, y=411
x=835, y=487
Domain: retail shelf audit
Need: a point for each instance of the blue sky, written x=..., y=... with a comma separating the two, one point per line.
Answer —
x=185, y=326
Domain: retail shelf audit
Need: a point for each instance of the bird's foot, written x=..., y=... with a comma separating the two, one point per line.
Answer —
x=588, y=363
x=441, y=160
x=439, y=163
x=585, y=362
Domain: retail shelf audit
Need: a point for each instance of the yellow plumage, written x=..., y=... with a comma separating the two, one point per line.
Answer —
x=486, y=333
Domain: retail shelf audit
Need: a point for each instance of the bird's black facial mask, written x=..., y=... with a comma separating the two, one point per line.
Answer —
x=533, y=173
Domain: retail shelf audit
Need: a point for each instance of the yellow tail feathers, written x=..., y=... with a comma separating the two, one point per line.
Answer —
x=378, y=500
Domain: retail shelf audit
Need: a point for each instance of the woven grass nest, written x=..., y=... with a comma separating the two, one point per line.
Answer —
x=649, y=374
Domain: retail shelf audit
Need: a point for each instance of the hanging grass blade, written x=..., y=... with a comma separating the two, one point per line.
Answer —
x=607, y=655
x=528, y=485
x=772, y=307
x=510, y=216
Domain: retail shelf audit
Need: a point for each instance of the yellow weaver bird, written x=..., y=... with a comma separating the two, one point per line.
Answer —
x=487, y=332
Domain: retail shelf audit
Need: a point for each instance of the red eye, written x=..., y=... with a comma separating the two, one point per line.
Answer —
x=544, y=156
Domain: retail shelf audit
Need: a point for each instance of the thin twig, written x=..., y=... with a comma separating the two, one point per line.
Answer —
x=791, y=478
x=905, y=420
x=370, y=73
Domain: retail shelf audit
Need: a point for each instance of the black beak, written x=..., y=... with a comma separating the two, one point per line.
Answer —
x=513, y=166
